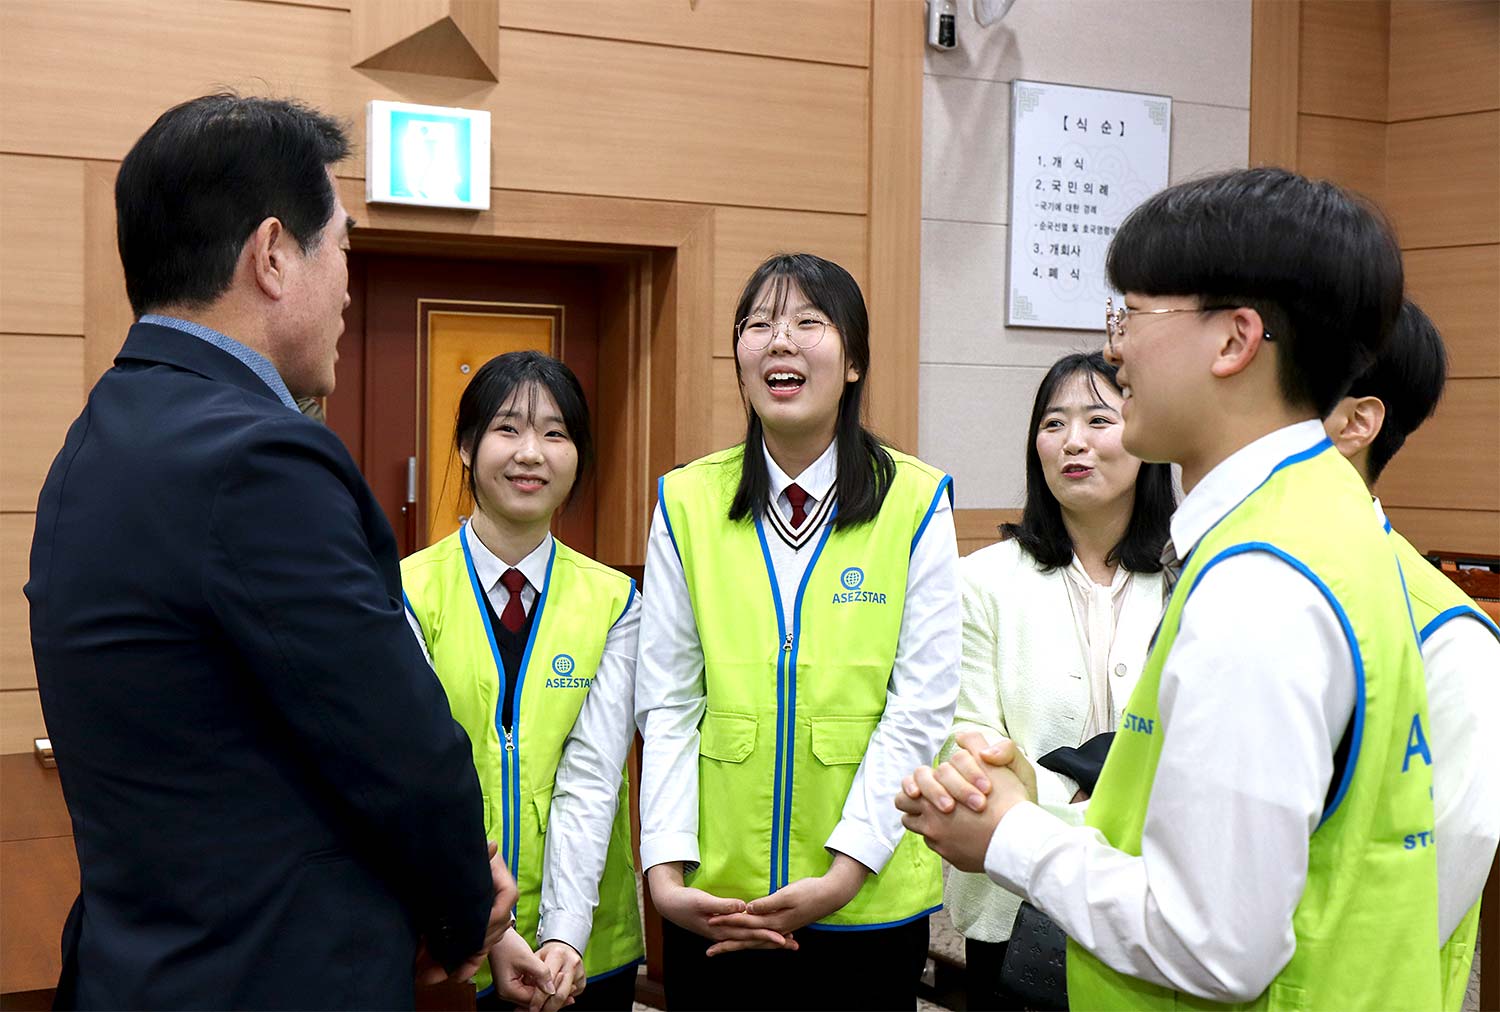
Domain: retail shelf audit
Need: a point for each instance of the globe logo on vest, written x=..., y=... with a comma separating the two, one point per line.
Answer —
x=562, y=676
x=852, y=580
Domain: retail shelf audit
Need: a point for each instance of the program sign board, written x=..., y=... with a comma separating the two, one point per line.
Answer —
x=1081, y=160
x=429, y=155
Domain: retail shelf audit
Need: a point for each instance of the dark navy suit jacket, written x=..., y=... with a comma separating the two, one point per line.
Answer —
x=270, y=798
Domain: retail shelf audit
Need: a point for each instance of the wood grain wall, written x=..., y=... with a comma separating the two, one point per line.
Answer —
x=796, y=124
x=1400, y=100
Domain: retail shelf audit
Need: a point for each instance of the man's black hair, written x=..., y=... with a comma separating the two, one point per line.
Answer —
x=203, y=177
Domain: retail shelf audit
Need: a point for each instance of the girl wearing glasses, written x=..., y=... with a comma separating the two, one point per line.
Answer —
x=1083, y=566
x=535, y=645
x=799, y=652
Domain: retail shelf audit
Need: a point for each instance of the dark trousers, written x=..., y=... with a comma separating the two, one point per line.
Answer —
x=862, y=971
x=615, y=993
x=986, y=992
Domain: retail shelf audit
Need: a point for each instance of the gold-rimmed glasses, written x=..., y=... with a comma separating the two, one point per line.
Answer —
x=1115, y=317
x=804, y=330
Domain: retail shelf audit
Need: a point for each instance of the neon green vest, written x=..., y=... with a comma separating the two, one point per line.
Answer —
x=578, y=604
x=1435, y=600
x=795, y=688
x=1367, y=919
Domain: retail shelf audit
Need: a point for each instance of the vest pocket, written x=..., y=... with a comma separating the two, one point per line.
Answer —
x=839, y=741
x=727, y=737
x=541, y=801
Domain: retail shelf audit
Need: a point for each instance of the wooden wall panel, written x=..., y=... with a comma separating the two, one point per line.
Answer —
x=894, y=293
x=570, y=114
x=824, y=31
x=41, y=257
x=977, y=528
x=41, y=392
x=1275, y=33
x=1445, y=57
x=1459, y=287
x=744, y=237
x=1348, y=151
x=107, y=315
x=1343, y=58
x=729, y=410
x=1443, y=180
x=676, y=124
x=1449, y=463
x=20, y=721
x=1440, y=530
x=16, y=670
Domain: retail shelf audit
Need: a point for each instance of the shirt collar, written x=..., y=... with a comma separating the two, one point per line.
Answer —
x=817, y=480
x=254, y=360
x=489, y=568
x=1234, y=478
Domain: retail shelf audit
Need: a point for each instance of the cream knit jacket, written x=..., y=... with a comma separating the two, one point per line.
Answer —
x=1024, y=676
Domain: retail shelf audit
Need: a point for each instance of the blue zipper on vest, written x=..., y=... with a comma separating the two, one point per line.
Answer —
x=786, y=704
x=510, y=754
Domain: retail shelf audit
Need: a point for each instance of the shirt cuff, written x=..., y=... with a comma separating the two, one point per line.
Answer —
x=1023, y=833
x=855, y=840
x=663, y=848
x=561, y=926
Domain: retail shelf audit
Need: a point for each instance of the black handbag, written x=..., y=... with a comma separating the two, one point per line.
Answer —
x=1035, y=968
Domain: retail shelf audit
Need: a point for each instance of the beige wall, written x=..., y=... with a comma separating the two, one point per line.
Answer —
x=977, y=375
x=794, y=123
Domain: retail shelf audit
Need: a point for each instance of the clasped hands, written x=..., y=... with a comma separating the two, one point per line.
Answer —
x=764, y=923
x=544, y=981
x=957, y=806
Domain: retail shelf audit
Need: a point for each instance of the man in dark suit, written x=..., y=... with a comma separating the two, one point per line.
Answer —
x=271, y=803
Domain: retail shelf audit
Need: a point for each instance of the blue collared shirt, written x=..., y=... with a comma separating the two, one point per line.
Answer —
x=257, y=363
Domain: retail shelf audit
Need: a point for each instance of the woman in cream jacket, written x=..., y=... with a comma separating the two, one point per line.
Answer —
x=1058, y=617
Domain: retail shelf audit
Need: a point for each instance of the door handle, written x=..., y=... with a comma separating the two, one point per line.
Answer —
x=42, y=749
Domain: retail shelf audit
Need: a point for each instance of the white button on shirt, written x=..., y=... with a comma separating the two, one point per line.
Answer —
x=1207, y=907
x=587, y=790
x=670, y=692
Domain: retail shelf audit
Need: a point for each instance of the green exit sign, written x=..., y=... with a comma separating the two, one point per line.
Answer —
x=430, y=155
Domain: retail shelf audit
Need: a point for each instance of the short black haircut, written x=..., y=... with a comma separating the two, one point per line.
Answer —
x=1042, y=532
x=1321, y=266
x=865, y=469
x=1408, y=377
x=523, y=374
x=204, y=176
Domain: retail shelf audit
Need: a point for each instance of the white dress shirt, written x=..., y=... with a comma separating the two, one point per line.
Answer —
x=670, y=691
x=1207, y=906
x=1462, y=658
x=587, y=790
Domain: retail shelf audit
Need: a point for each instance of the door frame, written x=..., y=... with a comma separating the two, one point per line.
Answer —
x=655, y=320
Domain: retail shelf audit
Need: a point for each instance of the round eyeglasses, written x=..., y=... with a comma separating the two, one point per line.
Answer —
x=803, y=329
x=1115, y=317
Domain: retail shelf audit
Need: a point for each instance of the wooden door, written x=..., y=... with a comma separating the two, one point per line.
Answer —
x=416, y=331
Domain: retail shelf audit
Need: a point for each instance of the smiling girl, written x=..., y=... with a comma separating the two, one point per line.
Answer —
x=535, y=645
x=1082, y=567
x=799, y=650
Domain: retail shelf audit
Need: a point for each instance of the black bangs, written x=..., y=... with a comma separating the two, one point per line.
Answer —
x=1319, y=264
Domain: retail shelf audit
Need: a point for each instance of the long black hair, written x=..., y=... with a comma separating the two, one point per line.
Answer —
x=865, y=468
x=523, y=372
x=1042, y=532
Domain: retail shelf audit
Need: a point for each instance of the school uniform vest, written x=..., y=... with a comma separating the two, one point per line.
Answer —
x=1367, y=919
x=1435, y=601
x=577, y=605
x=795, y=688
